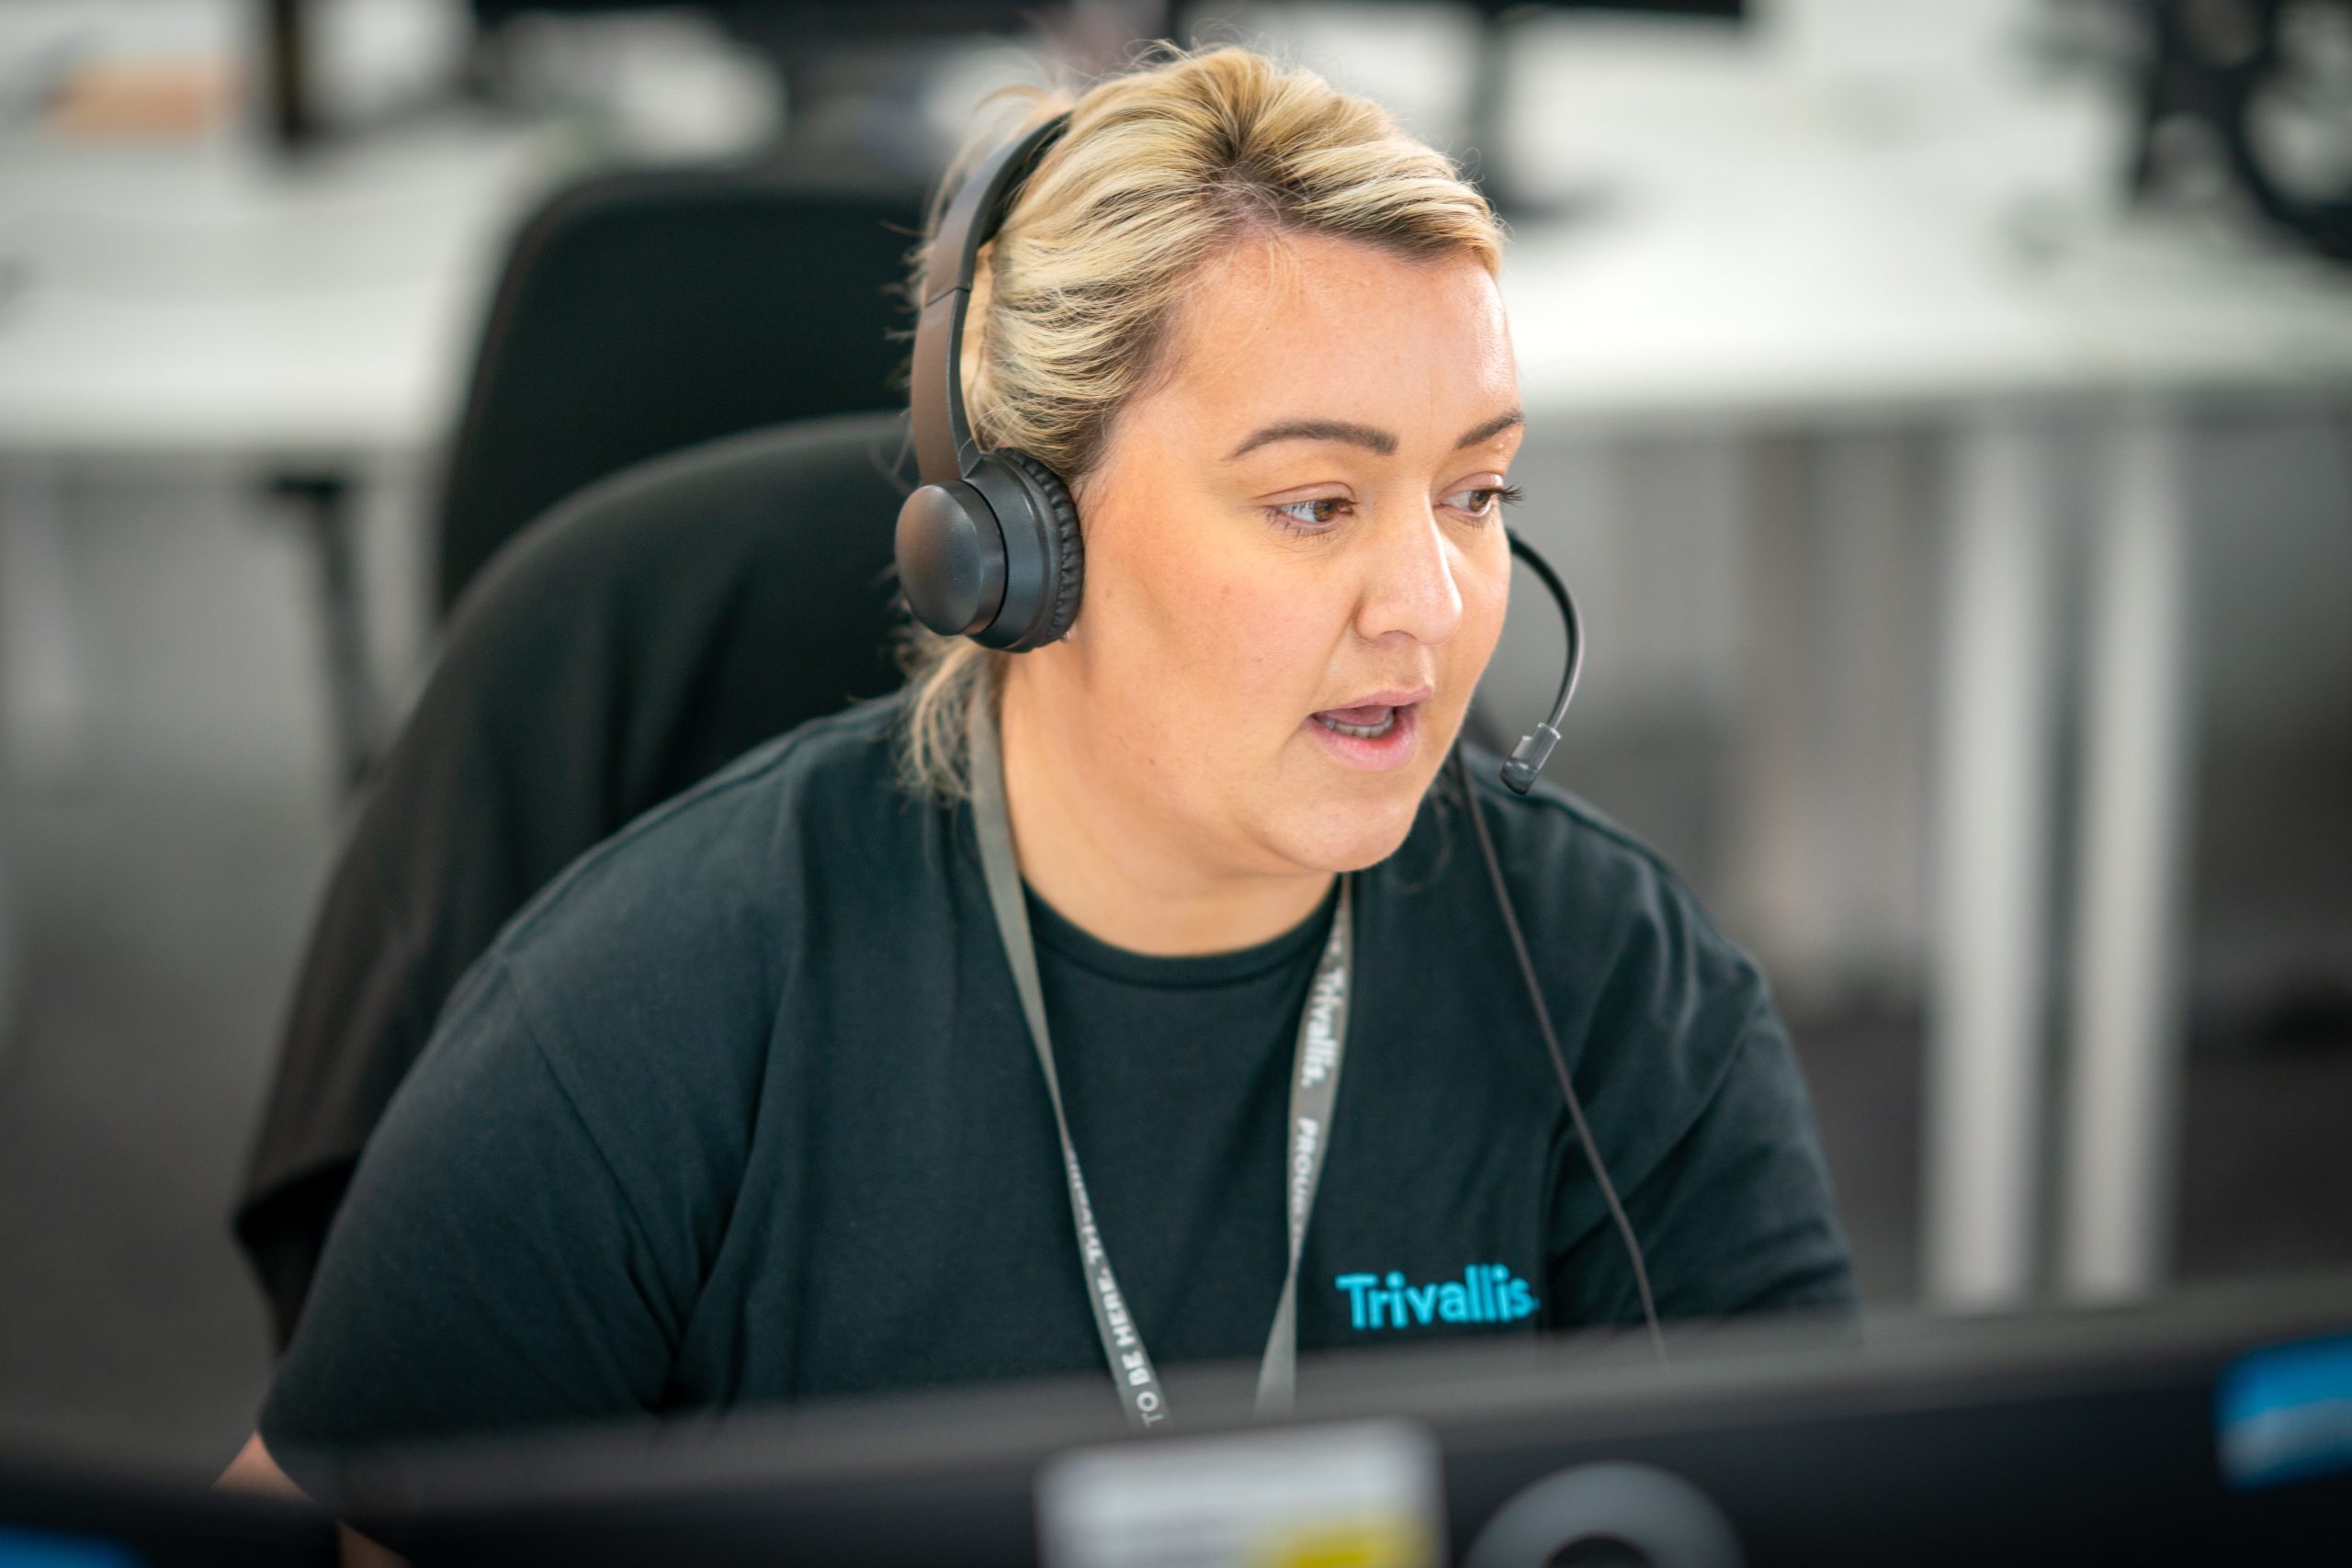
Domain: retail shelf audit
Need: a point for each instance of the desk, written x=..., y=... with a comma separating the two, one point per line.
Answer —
x=1769, y=248
x=208, y=300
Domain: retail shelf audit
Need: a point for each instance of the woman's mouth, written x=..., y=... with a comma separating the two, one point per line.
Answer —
x=1374, y=736
x=1370, y=722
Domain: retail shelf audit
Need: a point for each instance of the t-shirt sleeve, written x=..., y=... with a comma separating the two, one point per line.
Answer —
x=1738, y=1217
x=487, y=1268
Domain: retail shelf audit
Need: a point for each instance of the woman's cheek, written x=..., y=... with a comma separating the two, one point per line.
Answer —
x=1283, y=642
x=1234, y=617
x=1485, y=602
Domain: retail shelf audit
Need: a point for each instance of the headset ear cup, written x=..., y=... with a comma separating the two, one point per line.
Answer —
x=1066, y=572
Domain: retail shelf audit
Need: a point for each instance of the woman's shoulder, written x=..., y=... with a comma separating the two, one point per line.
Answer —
x=1654, y=1004
x=1604, y=901
x=1682, y=1060
x=709, y=877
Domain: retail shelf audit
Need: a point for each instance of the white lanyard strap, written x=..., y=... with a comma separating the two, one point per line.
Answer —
x=1314, y=1087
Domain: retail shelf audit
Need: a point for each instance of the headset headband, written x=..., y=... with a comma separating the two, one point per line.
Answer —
x=944, y=445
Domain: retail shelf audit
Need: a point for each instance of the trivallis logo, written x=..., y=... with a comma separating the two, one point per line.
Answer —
x=1487, y=1292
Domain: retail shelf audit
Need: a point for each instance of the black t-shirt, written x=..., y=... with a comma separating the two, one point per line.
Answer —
x=741, y=1109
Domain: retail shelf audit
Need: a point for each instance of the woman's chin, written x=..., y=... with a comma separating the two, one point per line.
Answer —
x=1348, y=835
x=1321, y=814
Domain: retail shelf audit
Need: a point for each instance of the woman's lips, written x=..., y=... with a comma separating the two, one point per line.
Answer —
x=1370, y=715
x=1387, y=739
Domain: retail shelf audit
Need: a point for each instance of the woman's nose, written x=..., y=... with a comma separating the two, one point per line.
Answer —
x=1410, y=586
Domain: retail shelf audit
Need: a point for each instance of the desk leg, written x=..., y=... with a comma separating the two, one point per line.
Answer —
x=2126, y=1024
x=44, y=695
x=45, y=705
x=354, y=707
x=1985, y=1029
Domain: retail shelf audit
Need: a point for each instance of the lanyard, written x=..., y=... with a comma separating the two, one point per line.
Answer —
x=1314, y=1086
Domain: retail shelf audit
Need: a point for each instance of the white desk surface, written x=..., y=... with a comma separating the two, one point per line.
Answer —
x=205, y=299
x=1763, y=245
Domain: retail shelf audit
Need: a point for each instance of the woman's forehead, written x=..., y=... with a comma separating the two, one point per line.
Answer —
x=1311, y=326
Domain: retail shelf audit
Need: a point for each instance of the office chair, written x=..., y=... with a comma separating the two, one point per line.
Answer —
x=637, y=313
x=644, y=634
x=643, y=312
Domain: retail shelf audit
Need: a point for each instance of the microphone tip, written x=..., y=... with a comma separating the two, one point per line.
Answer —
x=1527, y=759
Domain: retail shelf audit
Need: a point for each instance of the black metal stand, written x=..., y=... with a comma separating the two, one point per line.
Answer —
x=355, y=710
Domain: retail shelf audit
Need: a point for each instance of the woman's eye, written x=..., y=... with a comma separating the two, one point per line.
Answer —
x=1487, y=500
x=1307, y=516
x=1317, y=516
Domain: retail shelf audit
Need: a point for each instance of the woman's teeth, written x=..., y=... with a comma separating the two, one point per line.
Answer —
x=1382, y=725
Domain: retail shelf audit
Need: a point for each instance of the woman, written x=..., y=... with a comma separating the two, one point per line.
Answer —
x=744, y=1107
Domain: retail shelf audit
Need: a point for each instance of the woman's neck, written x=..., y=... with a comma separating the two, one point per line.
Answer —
x=1109, y=865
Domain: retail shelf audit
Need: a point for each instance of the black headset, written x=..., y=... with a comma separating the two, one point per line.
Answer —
x=989, y=549
x=988, y=546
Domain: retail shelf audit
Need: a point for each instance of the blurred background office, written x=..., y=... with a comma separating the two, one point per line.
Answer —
x=1943, y=408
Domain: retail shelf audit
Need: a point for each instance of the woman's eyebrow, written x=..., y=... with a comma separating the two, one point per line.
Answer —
x=1492, y=428
x=1362, y=435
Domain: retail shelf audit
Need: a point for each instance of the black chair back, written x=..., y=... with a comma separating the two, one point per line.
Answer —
x=649, y=631
x=643, y=312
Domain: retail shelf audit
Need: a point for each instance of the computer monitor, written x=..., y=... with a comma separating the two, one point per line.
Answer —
x=2215, y=1427
x=54, y=1515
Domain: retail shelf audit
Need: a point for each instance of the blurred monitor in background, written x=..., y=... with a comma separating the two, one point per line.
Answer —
x=2253, y=98
x=321, y=59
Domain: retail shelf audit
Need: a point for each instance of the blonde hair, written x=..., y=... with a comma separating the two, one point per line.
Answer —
x=1163, y=166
